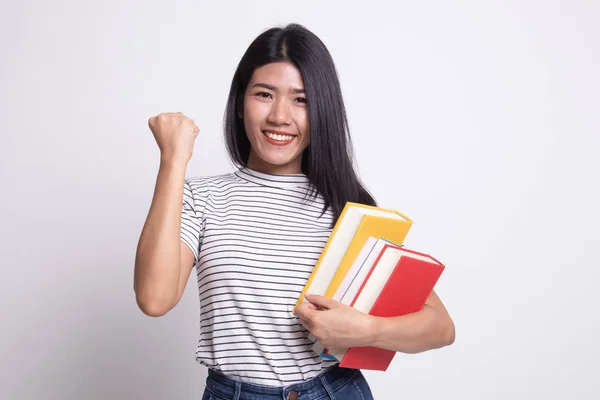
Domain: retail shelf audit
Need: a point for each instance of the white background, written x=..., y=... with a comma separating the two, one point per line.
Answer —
x=479, y=120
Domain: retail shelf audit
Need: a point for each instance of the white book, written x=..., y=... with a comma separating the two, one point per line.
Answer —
x=357, y=281
x=355, y=268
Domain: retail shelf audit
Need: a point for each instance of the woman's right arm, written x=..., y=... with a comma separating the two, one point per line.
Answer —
x=163, y=262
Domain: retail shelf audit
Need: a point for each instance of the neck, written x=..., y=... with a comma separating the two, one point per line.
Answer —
x=257, y=164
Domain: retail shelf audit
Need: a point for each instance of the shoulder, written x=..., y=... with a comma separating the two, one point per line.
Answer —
x=205, y=187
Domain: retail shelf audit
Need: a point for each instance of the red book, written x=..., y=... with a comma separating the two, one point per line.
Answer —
x=399, y=283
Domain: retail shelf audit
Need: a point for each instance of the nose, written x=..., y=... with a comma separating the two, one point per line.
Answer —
x=281, y=113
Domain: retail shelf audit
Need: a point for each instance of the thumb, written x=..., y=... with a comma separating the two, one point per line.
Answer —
x=321, y=301
x=304, y=310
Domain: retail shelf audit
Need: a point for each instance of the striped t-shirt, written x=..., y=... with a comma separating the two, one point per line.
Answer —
x=256, y=238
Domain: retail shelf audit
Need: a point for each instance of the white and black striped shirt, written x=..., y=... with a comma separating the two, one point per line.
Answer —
x=256, y=238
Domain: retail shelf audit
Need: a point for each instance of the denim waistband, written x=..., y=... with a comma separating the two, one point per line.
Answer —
x=321, y=386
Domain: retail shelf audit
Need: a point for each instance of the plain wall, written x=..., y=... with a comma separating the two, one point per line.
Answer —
x=479, y=120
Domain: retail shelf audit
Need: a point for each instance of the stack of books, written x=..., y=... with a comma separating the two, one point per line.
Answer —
x=365, y=265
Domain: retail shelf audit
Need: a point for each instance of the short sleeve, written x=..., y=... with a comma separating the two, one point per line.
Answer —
x=192, y=210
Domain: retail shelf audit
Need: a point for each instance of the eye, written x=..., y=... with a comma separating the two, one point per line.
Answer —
x=263, y=95
x=301, y=100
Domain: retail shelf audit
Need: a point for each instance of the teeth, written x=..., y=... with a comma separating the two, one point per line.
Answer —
x=276, y=136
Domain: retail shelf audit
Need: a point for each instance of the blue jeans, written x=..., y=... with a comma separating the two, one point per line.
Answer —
x=336, y=383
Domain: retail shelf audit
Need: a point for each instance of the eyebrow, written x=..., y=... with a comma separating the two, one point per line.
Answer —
x=273, y=88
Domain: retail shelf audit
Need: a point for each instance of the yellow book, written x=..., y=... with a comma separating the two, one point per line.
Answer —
x=356, y=224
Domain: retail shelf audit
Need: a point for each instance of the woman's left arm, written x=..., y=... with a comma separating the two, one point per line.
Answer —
x=336, y=325
x=429, y=328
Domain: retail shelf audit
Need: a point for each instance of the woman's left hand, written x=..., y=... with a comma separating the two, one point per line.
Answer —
x=333, y=324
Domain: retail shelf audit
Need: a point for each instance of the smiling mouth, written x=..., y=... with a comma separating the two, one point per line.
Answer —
x=278, y=138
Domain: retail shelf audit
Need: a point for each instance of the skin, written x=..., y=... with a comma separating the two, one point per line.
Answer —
x=163, y=263
x=274, y=101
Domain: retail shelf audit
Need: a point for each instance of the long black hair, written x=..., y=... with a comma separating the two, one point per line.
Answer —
x=328, y=159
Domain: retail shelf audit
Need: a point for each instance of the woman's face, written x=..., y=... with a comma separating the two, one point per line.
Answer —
x=276, y=119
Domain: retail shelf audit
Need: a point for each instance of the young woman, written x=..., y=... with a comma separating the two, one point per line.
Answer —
x=254, y=235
